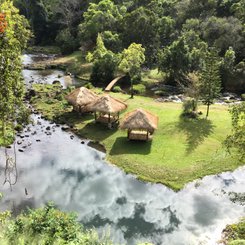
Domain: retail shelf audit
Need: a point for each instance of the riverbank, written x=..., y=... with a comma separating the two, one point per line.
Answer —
x=234, y=234
x=182, y=150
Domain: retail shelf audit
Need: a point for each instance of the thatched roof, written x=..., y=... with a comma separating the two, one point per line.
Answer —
x=107, y=104
x=140, y=119
x=81, y=97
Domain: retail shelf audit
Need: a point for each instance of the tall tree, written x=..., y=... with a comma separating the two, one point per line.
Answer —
x=210, y=82
x=175, y=61
x=99, y=17
x=12, y=42
x=104, y=63
x=131, y=60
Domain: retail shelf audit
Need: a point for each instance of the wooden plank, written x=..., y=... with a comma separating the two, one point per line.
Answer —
x=112, y=83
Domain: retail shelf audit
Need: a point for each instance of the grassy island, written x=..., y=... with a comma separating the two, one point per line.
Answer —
x=181, y=151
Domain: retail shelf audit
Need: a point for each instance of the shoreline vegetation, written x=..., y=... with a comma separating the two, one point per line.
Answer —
x=234, y=234
x=182, y=150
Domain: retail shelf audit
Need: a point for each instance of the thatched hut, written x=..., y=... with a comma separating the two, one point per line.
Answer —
x=80, y=98
x=140, y=124
x=107, y=109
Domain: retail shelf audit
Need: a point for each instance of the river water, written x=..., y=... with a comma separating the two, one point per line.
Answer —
x=59, y=167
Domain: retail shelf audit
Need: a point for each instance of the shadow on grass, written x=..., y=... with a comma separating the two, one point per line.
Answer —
x=96, y=131
x=196, y=130
x=73, y=117
x=124, y=146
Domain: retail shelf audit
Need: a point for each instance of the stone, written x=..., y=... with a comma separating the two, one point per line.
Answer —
x=65, y=128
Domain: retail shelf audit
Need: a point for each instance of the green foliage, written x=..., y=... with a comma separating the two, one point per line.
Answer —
x=143, y=25
x=104, y=63
x=139, y=89
x=66, y=41
x=210, y=82
x=98, y=18
x=116, y=89
x=12, y=43
x=112, y=41
x=175, y=60
x=189, y=107
x=235, y=233
x=131, y=60
x=48, y=226
x=237, y=242
x=104, y=69
x=237, y=138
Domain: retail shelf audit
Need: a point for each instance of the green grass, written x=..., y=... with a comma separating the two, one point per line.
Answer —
x=181, y=151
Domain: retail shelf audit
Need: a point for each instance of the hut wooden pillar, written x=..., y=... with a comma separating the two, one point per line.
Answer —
x=147, y=137
x=129, y=132
x=95, y=116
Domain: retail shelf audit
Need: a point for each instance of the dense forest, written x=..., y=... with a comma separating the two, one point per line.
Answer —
x=175, y=34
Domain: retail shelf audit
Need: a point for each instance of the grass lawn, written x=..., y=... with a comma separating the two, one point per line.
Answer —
x=181, y=151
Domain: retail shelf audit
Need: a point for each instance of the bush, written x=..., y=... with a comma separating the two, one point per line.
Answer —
x=189, y=108
x=59, y=97
x=139, y=89
x=116, y=89
x=243, y=97
x=48, y=226
x=89, y=86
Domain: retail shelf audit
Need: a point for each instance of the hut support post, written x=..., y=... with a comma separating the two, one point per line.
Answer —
x=147, y=135
x=95, y=116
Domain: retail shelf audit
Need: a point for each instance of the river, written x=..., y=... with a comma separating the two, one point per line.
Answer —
x=57, y=166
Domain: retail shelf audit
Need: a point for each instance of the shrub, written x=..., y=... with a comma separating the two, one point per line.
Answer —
x=89, y=86
x=243, y=97
x=117, y=89
x=48, y=226
x=139, y=89
x=189, y=108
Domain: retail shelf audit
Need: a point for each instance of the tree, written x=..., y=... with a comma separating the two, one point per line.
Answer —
x=237, y=138
x=104, y=63
x=39, y=20
x=12, y=42
x=141, y=26
x=175, y=61
x=131, y=60
x=99, y=18
x=223, y=33
x=210, y=82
